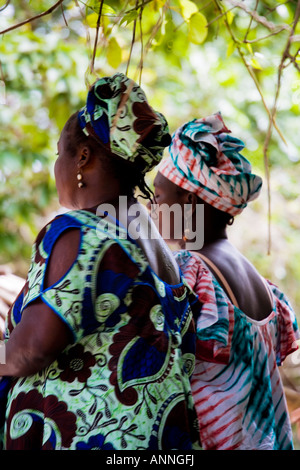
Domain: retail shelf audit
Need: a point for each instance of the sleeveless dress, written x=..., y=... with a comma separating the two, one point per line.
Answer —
x=124, y=382
x=236, y=384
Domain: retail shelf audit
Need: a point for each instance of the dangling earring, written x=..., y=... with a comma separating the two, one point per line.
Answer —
x=79, y=179
x=230, y=221
x=186, y=234
x=187, y=225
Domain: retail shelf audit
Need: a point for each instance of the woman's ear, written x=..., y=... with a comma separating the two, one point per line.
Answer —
x=84, y=157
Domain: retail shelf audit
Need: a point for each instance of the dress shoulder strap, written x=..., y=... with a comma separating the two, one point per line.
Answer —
x=268, y=289
x=221, y=277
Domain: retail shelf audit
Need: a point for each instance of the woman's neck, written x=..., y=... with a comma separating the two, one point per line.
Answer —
x=118, y=202
x=214, y=236
x=209, y=240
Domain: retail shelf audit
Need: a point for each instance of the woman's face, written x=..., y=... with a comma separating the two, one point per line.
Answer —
x=169, y=218
x=65, y=172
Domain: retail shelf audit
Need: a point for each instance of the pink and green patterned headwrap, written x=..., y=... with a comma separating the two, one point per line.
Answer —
x=205, y=160
x=117, y=113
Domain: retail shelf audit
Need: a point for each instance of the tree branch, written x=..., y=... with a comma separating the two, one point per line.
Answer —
x=132, y=43
x=139, y=5
x=153, y=34
x=258, y=18
x=224, y=13
x=29, y=20
x=293, y=60
x=142, y=46
x=63, y=14
x=96, y=36
x=271, y=115
x=248, y=67
x=285, y=55
x=5, y=5
x=250, y=22
x=253, y=41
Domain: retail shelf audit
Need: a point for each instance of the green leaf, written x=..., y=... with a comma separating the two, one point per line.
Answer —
x=229, y=17
x=106, y=9
x=197, y=28
x=255, y=64
x=92, y=19
x=249, y=47
x=188, y=9
x=129, y=17
x=156, y=5
x=230, y=48
x=114, y=53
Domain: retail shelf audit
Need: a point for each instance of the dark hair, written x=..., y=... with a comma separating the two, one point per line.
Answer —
x=221, y=218
x=129, y=174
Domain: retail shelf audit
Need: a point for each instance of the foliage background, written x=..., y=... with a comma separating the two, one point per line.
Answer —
x=193, y=58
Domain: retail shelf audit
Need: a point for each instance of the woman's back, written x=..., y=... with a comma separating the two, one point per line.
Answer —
x=243, y=332
x=236, y=383
x=250, y=290
x=142, y=229
x=124, y=381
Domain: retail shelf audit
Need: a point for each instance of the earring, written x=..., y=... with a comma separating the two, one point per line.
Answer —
x=79, y=179
x=187, y=225
x=186, y=234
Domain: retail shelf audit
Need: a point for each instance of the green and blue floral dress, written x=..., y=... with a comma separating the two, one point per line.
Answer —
x=124, y=382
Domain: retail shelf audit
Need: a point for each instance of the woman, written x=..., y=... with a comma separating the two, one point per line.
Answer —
x=246, y=327
x=100, y=340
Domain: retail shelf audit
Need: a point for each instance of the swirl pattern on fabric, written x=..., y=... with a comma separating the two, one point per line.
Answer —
x=117, y=113
x=125, y=379
x=205, y=160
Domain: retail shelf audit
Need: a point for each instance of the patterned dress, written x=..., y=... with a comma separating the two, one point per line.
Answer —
x=124, y=382
x=236, y=384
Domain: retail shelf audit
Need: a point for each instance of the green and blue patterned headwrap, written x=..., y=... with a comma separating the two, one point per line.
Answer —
x=117, y=113
x=206, y=160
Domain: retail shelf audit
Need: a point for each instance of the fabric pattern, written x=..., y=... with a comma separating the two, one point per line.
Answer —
x=125, y=380
x=236, y=384
x=205, y=160
x=117, y=112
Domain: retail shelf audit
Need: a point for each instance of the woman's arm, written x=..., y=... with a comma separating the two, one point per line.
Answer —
x=41, y=334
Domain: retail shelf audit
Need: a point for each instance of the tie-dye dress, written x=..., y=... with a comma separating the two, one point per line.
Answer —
x=236, y=384
x=124, y=382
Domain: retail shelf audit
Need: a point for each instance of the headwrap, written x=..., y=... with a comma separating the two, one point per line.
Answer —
x=205, y=160
x=117, y=113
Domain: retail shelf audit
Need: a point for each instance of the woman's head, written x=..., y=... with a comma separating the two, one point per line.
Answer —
x=207, y=168
x=79, y=156
x=169, y=209
x=183, y=216
x=205, y=160
x=118, y=128
x=118, y=114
